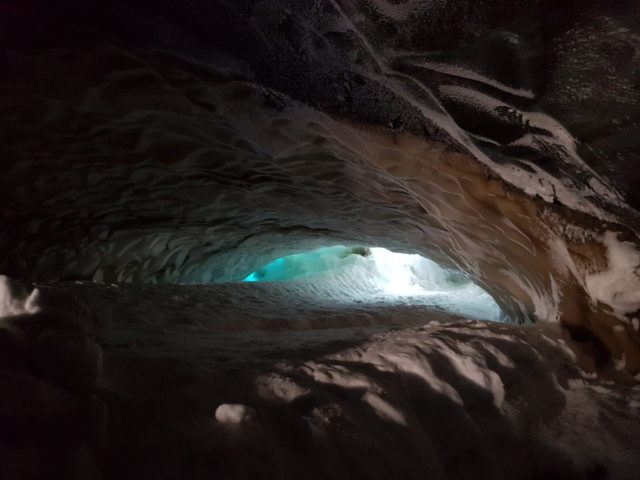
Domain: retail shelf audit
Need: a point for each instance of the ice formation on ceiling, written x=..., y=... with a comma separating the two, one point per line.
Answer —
x=361, y=274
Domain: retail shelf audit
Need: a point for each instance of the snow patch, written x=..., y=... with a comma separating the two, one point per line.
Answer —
x=619, y=285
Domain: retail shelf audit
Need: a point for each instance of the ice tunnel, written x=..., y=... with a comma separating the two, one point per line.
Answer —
x=281, y=239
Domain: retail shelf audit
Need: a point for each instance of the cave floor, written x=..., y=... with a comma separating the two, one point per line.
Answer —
x=371, y=392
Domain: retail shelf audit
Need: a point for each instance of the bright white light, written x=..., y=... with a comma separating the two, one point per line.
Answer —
x=397, y=271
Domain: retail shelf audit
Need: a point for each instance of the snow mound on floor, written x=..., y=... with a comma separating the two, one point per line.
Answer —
x=15, y=299
x=464, y=400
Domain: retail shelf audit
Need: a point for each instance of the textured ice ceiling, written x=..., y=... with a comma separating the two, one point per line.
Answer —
x=196, y=141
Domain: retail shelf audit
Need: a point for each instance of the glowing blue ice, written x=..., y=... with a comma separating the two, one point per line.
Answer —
x=304, y=265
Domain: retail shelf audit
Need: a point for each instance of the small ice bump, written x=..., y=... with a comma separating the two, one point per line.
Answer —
x=235, y=413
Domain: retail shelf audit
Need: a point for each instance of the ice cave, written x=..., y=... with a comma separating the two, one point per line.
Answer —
x=320, y=240
x=376, y=277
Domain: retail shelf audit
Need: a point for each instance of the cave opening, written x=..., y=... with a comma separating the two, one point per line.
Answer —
x=369, y=275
